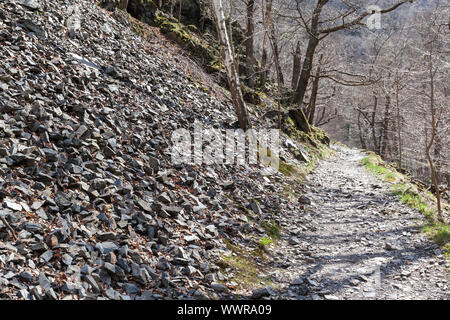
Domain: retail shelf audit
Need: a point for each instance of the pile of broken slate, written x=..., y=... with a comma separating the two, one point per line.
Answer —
x=91, y=206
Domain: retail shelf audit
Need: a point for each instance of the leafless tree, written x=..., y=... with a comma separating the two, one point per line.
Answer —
x=232, y=75
x=319, y=27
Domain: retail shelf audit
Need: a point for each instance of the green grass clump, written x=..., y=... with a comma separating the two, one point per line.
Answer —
x=379, y=168
x=410, y=194
x=440, y=233
x=286, y=169
x=265, y=241
x=245, y=269
x=418, y=203
x=272, y=229
x=310, y=165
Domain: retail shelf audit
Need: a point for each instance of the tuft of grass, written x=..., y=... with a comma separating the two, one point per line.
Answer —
x=417, y=202
x=310, y=165
x=287, y=169
x=378, y=167
x=265, y=241
x=272, y=229
x=410, y=194
x=246, y=271
x=440, y=233
x=326, y=152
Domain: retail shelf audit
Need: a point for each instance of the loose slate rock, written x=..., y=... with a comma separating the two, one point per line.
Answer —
x=262, y=292
x=30, y=4
x=219, y=287
x=106, y=247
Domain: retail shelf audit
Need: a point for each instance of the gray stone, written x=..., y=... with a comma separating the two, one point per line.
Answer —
x=106, y=247
x=12, y=205
x=47, y=255
x=131, y=288
x=219, y=287
x=262, y=292
x=30, y=4
x=67, y=259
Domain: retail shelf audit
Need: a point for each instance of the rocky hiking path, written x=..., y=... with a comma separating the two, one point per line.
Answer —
x=356, y=241
x=92, y=207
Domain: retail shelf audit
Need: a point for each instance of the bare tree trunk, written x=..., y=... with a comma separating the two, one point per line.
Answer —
x=230, y=37
x=373, y=125
x=361, y=136
x=309, y=56
x=249, y=48
x=276, y=58
x=172, y=7
x=267, y=15
x=297, y=65
x=279, y=72
x=233, y=77
x=315, y=90
x=437, y=153
x=385, y=128
x=399, y=129
x=123, y=5
x=179, y=10
x=429, y=143
x=306, y=71
x=434, y=182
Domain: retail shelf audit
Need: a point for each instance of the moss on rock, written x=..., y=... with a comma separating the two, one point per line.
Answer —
x=250, y=95
x=189, y=37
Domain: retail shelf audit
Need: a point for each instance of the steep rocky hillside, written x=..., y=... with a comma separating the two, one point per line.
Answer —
x=91, y=205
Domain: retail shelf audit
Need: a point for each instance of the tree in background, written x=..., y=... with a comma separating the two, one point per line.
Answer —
x=434, y=45
x=123, y=4
x=230, y=66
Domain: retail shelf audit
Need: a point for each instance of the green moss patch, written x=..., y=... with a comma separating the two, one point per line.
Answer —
x=189, y=37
